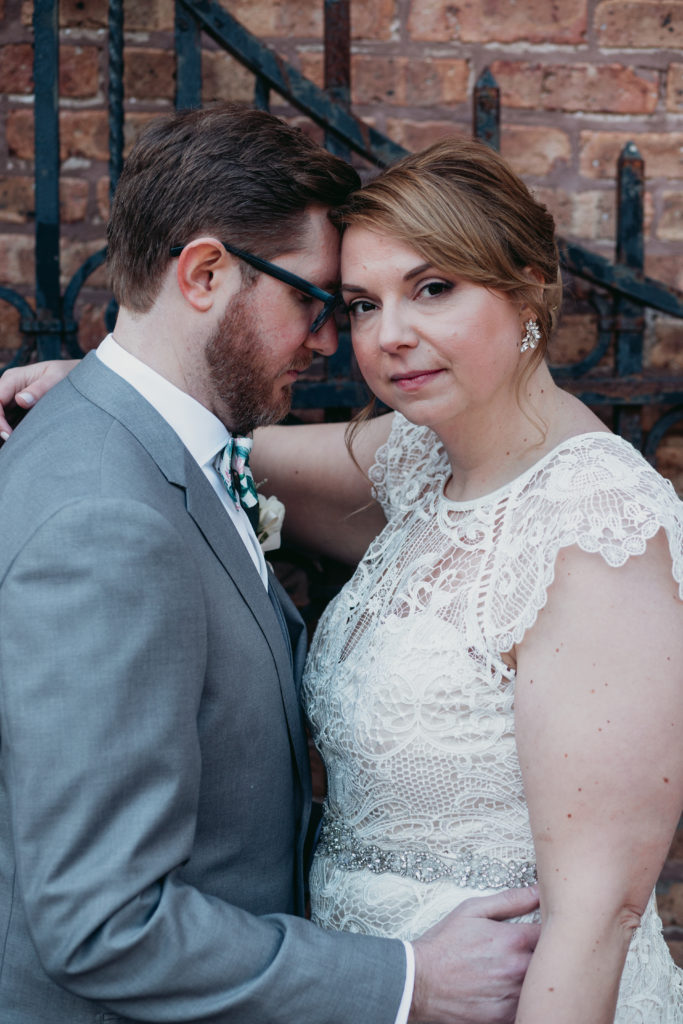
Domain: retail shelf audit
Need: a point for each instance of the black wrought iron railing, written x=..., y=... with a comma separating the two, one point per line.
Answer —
x=618, y=294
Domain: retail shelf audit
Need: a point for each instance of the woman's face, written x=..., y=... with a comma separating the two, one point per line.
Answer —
x=430, y=345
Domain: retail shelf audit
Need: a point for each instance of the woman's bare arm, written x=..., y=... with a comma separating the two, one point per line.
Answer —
x=329, y=506
x=599, y=709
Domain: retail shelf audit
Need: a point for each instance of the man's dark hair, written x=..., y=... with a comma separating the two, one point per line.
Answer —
x=241, y=175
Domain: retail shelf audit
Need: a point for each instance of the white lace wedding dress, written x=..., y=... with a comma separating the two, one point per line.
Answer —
x=411, y=702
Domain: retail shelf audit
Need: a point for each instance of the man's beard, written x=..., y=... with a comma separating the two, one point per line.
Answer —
x=236, y=355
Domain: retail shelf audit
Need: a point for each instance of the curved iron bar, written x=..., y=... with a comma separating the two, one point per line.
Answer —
x=71, y=295
x=660, y=428
x=18, y=301
x=602, y=305
x=77, y=281
x=23, y=353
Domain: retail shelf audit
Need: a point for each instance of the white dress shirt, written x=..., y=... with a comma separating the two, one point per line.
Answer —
x=204, y=436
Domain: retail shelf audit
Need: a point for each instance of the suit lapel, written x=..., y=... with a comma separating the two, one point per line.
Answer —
x=103, y=387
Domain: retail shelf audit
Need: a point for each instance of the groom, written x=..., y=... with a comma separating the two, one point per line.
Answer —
x=154, y=785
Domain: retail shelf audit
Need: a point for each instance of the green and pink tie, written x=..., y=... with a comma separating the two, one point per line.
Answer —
x=232, y=465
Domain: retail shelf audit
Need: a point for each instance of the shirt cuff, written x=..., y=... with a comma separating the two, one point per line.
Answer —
x=404, y=1008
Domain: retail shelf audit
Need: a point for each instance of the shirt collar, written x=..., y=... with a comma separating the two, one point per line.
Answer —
x=201, y=432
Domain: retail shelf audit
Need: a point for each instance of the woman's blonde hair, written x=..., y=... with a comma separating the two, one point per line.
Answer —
x=461, y=207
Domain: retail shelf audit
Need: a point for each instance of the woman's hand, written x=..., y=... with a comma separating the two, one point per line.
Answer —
x=24, y=385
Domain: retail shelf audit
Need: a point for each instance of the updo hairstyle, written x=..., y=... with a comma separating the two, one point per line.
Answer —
x=464, y=211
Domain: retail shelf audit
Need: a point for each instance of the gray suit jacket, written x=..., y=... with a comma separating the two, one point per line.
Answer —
x=154, y=786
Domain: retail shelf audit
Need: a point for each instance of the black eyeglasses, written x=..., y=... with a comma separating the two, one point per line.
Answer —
x=330, y=302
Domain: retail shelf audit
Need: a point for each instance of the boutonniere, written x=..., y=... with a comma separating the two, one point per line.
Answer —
x=271, y=514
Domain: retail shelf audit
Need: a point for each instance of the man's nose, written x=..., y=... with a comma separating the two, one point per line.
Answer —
x=325, y=340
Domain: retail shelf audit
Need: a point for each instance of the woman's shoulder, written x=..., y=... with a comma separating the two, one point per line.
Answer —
x=595, y=492
x=602, y=479
x=598, y=492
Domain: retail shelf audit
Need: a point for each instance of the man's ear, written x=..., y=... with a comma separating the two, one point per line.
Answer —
x=202, y=267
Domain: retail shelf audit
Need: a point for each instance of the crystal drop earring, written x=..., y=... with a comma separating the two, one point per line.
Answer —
x=531, y=337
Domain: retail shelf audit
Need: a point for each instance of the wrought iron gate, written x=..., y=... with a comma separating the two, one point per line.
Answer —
x=611, y=375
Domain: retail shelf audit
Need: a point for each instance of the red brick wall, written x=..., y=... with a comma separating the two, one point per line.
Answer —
x=579, y=79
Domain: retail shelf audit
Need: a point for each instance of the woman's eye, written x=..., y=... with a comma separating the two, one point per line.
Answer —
x=435, y=288
x=360, y=306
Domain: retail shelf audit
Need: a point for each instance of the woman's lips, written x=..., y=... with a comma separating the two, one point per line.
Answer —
x=413, y=380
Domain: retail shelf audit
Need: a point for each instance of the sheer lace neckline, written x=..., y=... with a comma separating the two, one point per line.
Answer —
x=499, y=492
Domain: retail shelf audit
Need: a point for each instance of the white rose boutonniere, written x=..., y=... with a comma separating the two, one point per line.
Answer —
x=271, y=514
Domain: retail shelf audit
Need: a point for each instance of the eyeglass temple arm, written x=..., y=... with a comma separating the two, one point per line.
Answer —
x=270, y=268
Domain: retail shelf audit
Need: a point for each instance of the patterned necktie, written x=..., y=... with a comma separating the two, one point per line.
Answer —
x=232, y=465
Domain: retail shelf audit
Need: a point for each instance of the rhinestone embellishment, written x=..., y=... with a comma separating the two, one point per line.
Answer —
x=340, y=842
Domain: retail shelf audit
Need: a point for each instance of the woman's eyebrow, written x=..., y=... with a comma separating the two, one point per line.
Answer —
x=418, y=270
x=406, y=277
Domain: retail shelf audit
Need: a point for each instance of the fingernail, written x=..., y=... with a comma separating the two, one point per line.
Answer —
x=4, y=435
x=27, y=397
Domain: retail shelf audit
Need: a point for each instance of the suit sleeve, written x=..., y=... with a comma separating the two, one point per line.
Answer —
x=102, y=658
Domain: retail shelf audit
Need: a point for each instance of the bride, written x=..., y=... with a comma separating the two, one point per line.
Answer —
x=497, y=693
x=499, y=688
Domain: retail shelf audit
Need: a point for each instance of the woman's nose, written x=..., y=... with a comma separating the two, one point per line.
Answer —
x=395, y=330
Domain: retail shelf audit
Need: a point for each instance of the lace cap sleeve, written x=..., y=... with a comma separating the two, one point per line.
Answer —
x=405, y=465
x=595, y=492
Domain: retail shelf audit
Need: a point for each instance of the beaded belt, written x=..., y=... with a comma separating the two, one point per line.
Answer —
x=340, y=843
